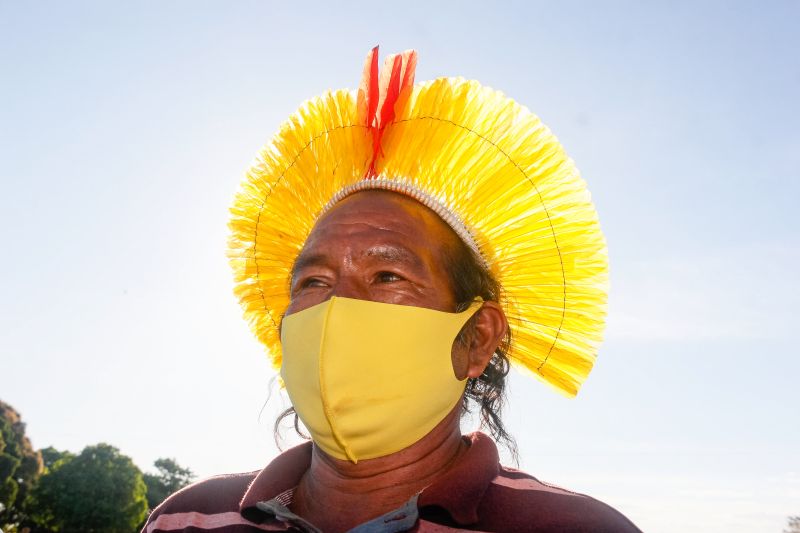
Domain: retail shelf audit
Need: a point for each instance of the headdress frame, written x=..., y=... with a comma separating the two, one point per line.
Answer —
x=487, y=160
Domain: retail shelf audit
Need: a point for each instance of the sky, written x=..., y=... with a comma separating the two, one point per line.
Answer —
x=125, y=130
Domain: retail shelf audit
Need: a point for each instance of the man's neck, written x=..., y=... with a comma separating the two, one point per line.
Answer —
x=337, y=495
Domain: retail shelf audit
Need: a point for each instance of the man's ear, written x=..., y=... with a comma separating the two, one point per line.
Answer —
x=490, y=328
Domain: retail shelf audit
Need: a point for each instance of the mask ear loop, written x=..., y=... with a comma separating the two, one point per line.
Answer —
x=471, y=305
x=474, y=308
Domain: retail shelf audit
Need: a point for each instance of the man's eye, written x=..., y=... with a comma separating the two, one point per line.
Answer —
x=312, y=282
x=388, y=277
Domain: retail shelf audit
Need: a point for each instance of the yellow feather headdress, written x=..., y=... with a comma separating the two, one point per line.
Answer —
x=470, y=153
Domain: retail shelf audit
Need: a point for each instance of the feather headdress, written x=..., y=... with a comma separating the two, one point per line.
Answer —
x=484, y=163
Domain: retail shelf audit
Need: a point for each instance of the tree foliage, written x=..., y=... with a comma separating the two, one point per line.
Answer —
x=794, y=525
x=20, y=465
x=98, y=491
x=51, y=457
x=169, y=478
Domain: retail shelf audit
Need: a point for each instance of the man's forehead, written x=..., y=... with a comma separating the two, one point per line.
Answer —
x=380, y=224
x=381, y=212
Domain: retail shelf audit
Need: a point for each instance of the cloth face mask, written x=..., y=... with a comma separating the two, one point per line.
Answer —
x=367, y=378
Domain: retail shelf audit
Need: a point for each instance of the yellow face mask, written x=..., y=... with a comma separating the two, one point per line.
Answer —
x=367, y=378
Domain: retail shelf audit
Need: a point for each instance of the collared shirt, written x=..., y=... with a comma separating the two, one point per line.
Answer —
x=401, y=519
x=476, y=494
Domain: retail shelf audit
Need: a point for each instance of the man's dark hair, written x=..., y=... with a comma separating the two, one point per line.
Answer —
x=470, y=279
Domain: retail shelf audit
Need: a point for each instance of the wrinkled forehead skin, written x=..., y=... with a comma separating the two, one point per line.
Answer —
x=391, y=213
x=376, y=228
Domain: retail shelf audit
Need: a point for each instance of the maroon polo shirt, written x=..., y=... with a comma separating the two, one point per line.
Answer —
x=476, y=494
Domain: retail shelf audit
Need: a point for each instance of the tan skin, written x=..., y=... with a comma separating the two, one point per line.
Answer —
x=384, y=247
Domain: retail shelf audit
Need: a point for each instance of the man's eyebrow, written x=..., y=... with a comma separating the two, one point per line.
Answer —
x=306, y=260
x=394, y=254
x=387, y=253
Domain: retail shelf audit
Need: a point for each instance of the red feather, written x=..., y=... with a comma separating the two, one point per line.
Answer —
x=378, y=95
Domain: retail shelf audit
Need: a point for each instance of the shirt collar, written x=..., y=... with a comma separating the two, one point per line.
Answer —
x=281, y=475
x=459, y=491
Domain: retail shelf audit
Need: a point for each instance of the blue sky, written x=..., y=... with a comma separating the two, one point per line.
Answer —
x=125, y=130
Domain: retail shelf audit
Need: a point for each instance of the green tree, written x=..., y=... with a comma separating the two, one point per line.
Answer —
x=51, y=456
x=169, y=478
x=20, y=466
x=98, y=491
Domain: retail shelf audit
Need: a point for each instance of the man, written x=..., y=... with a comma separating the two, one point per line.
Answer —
x=385, y=248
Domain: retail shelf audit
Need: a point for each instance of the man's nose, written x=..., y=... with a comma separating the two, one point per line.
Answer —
x=351, y=287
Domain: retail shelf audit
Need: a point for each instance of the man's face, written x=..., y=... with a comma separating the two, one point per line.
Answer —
x=378, y=246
